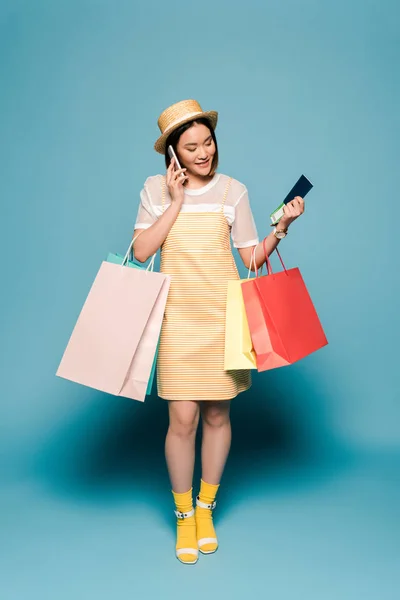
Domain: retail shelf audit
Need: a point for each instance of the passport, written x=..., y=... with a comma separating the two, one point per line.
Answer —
x=300, y=188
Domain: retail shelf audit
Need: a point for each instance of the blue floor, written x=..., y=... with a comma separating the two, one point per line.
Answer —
x=92, y=518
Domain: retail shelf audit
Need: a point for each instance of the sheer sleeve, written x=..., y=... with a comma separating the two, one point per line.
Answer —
x=244, y=231
x=146, y=215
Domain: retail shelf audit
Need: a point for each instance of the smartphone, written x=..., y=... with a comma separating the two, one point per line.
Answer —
x=300, y=188
x=172, y=154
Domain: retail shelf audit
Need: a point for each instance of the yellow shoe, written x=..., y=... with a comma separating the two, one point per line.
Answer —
x=186, y=549
x=205, y=504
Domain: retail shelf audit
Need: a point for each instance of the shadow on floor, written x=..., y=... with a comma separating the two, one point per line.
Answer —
x=112, y=451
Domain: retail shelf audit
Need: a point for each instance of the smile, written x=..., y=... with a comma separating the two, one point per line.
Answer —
x=203, y=164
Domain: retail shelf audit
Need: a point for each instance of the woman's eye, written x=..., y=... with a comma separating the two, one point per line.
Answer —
x=194, y=149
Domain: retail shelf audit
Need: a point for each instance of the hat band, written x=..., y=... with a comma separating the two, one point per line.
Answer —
x=177, y=121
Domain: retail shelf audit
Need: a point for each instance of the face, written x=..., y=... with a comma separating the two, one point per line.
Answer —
x=196, y=149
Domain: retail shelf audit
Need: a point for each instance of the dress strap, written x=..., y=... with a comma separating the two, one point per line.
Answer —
x=226, y=194
x=163, y=186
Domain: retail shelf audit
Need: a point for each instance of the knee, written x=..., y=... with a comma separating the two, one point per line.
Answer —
x=215, y=416
x=184, y=425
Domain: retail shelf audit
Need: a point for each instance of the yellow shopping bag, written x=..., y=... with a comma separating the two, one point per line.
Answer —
x=239, y=353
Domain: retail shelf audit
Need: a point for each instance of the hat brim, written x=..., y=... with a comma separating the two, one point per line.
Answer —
x=211, y=115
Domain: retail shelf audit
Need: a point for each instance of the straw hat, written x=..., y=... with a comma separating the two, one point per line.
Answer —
x=176, y=115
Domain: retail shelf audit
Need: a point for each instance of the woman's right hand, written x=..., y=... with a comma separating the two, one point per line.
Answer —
x=175, y=183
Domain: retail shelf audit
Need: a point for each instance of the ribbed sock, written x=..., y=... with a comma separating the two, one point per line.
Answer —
x=204, y=519
x=186, y=528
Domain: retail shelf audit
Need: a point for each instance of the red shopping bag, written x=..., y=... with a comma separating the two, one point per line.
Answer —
x=283, y=322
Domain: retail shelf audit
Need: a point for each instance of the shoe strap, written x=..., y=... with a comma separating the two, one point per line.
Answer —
x=186, y=515
x=204, y=505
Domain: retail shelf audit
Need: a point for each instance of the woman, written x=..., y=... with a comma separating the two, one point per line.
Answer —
x=190, y=214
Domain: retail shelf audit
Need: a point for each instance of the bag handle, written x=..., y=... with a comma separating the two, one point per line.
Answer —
x=150, y=266
x=253, y=259
x=269, y=267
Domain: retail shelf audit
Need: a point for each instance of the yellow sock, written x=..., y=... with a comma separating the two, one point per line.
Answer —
x=186, y=540
x=206, y=536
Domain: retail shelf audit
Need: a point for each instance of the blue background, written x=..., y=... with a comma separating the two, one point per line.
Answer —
x=308, y=506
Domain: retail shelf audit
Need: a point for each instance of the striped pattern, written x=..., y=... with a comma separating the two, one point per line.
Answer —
x=197, y=254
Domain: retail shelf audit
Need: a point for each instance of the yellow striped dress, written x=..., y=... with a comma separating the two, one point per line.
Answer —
x=197, y=254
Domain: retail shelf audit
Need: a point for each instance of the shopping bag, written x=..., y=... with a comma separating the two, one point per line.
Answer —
x=118, y=260
x=283, y=322
x=113, y=343
x=239, y=351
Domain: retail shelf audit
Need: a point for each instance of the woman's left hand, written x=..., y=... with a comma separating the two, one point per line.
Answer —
x=292, y=211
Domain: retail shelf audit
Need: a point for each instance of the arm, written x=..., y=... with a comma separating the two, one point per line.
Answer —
x=292, y=211
x=245, y=253
x=151, y=239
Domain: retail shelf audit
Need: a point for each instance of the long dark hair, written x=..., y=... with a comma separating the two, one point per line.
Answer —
x=173, y=140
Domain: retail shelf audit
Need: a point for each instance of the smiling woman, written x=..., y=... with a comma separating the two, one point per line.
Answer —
x=192, y=213
x=196, y=145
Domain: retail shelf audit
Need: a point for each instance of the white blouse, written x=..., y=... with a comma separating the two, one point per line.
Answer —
x=208, y=198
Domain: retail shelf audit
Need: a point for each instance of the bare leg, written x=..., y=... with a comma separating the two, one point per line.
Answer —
x=216, y=440
x=214, y=452
x=180, y=443
x=179, y=454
